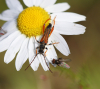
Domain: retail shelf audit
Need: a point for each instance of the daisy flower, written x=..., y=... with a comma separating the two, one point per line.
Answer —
x=23, y=25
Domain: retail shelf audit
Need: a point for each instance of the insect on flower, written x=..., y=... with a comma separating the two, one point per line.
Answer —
x=2, y=32
x=61, y=62
x=44, y=41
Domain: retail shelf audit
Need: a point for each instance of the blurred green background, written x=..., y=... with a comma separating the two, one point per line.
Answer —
x=85, y=55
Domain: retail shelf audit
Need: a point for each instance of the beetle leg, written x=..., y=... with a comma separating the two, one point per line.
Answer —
x=31, y=62
x=54, y=21
x=36, y=39
x=36, y=49
x=53, y=43
x=47, y=64
x=45, y=51
x=53, y=26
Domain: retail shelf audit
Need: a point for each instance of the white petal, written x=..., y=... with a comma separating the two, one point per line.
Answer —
x=69, y=28
x=39, y=38
x=35, y=63
x=29, y=3
x=62, y=45
x=47, y=3
x=42, y=61
x=6, y=35
x=8, y=15
x=22, y=55
x=51, y=53
x=13, y=49
x=38, y=2
x=32, y=53
x=4, y=18
x=58, y=7
x=9, y=26
x=4, y=44
x=68, y=16
x=31, y=48
x=14, y=5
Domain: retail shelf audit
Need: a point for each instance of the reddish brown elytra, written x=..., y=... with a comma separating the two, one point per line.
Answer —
x=44, y=41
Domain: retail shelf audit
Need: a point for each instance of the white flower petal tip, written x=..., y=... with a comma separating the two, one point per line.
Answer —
x=60, y=7
x=61, y=43
x=6, y=62
x=10, y=26
x=68, y=16
x=42, y=61
x=83, y=18
x=8, y=15
x=35, y=64
x=69, y=28
x=18, y=69
x=14, y=5
x=4, y=18
x=81, y=29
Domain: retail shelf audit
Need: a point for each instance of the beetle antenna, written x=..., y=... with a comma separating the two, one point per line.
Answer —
x=31, y=61
x=47, y=64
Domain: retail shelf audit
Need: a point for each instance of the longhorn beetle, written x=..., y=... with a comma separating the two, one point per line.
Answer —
x=44, y=41
x=61, y=62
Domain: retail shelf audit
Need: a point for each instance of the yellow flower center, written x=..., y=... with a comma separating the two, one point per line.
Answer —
x=31, y=20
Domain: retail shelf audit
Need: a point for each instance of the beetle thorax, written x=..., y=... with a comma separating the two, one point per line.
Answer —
x=41, y=48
